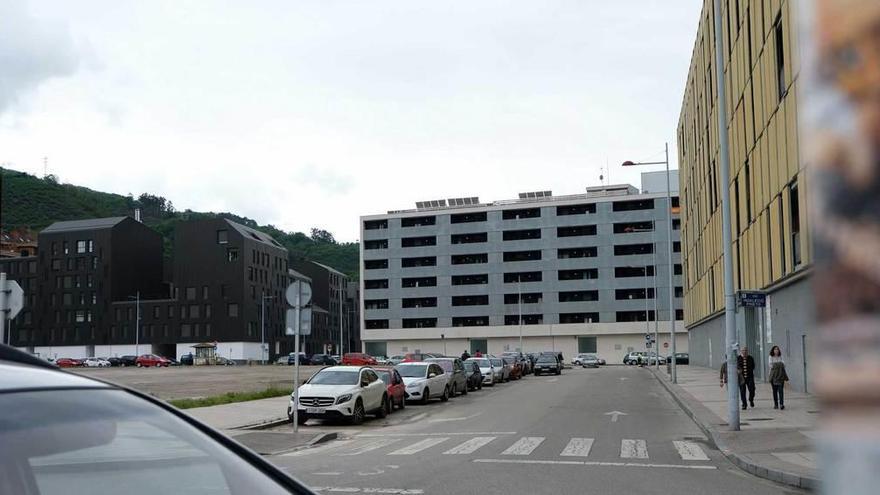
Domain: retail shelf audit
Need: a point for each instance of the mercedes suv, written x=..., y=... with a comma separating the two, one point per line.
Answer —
x=341, y=392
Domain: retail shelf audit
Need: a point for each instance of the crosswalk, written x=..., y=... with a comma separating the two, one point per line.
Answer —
x=575, y=448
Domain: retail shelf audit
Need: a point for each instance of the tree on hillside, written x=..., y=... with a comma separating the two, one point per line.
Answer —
x=322, y=236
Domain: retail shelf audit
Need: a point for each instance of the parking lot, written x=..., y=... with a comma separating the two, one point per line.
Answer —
x=180, y=382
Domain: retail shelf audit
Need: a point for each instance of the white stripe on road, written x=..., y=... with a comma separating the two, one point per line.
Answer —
x=633, y=449
x=420, y=446
x=594, y=463
x=376, y=444
x=578, y=447
x=446, y=434
x=690, y=451
x=524, y=446
x=345, y=489
x=319, y=448
x=470, y=446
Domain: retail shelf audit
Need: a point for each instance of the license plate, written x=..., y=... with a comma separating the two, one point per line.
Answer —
x=315, y=410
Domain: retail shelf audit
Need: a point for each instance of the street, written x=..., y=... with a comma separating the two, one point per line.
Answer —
x=613, y=429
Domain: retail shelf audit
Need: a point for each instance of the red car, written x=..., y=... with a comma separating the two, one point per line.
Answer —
x=148, y=360
x=68, y=362
x=516, y=370
x=358, y=359
x=396, y=387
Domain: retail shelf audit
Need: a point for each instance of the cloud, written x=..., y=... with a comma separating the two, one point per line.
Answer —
x=32, y=51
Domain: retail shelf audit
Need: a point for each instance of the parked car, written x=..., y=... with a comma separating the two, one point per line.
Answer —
x=419, y=357
x=633, y=357
x=94, y=362
x=424, y=381
x=87, y=415
x=395, y=386
x=652, y=359
x=515, y=366
x=503, y=367
x=151, y=360
x=680, y=358
x=128, y=360
x=474, y=375
x=395, y=360
x=345, y=392
x=113, y=360
x=578, y=359
x=589, y=360
x=223, y=361
x=323, y=360
x=518, y=357
x=172, y=361
x=358, y=359
x=601, y=361
x=453, y=367
x=186, y=359
x=491, y=375
x=68, y=363
x=548, y=364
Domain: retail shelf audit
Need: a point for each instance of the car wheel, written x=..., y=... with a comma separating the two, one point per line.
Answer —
x=454, y=390
x=445, y=396
x=357, y=417
x=425, y=396
x=158, y=365
x=465, y=391
x=480, y=386
x=139, y=365
x=402, y=404
x=383, y=409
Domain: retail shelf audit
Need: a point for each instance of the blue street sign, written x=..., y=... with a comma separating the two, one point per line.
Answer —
x=751, y=299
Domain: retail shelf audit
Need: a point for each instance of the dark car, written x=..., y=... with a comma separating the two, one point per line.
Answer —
x=114, y=361
x=323, y=360
x=680, y=358
x=50, y=418
x=457, y=377
x=128, y=360
x=474, y=375
x=548, y=364
x=186, y=359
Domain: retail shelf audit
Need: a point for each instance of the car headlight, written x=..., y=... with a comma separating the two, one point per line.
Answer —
x=343, y=399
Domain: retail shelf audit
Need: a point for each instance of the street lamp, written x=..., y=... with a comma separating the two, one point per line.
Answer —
x=137, y=322
x=263, y=326
x=669, y=248
x=653, y=231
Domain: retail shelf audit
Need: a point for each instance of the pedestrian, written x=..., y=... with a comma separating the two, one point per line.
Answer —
x=745, y=367
x=778, y=377
x=465, y=356
x=478, y=354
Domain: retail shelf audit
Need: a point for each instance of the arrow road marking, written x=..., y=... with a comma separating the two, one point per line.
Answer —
x=614, y=415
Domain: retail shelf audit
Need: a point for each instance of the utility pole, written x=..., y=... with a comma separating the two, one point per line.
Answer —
x=671, y=269
x=656, y=296
x=729, y=300
x=519, y=303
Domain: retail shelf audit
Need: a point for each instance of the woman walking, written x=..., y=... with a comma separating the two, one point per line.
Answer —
x=778, y=377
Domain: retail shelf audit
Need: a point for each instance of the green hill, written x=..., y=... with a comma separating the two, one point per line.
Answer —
x=32, y=203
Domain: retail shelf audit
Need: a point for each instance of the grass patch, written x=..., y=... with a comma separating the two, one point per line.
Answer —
x=229, y=398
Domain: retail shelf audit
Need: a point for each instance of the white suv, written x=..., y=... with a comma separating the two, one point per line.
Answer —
x=424, y=381
x=349, y=392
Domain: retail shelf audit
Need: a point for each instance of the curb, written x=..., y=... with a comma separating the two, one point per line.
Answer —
x=738, y=460
x=263, y=425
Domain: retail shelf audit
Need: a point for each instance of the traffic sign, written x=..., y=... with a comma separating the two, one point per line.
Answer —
x=305, y=322
x=751, y=299
x=14, y=299
x=301, y=289
x=666, y=345
x=647, y=345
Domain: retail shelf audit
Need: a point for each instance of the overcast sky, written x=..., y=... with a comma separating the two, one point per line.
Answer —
x=312, y=113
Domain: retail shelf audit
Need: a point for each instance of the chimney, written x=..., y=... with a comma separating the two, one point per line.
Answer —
x=137, y=214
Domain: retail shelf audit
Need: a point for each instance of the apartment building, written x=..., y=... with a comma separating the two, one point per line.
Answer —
x=768, y=186
x=577, y=273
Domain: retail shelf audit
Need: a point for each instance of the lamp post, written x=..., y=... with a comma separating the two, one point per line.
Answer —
x=519, y=305
x=669, y=252
x=263, y=326
x=137, y=322
x=653, y=230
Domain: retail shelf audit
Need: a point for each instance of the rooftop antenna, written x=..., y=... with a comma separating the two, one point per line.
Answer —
x=608, y=169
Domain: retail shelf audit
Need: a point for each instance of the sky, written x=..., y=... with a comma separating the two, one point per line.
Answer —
x=312, y=113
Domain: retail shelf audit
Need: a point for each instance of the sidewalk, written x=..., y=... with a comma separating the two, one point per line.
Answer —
x=772, y=444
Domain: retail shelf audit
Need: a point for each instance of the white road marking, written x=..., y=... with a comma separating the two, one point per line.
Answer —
x=623, y=378
x=417, y=417
x=594, y=463
x=577, y=447
x=420, y=446
x=319, y=448
x=553, y=380
x=633, y=449
x=690, y=451
x=465, y=418
x=376, y=444
x=470, y=446
x=614, y=415
x=446, y=434
x=524, y=446
x=345, y=489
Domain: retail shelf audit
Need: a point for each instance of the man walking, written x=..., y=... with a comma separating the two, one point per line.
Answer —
x=465, y=355
x=745, y=367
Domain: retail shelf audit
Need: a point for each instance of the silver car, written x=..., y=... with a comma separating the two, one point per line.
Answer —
x=589, y=360
x=501, y=368
x=491, y=374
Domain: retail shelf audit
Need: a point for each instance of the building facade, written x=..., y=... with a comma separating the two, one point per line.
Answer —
x=330, y=296
x=768, y=186
x=582, y=273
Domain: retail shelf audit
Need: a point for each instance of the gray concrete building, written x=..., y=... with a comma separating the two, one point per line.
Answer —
x=576, y=273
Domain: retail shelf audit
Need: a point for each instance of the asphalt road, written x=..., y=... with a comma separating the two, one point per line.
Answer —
x=539, y=435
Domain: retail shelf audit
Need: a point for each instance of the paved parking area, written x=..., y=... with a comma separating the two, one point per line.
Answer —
x=179, y=382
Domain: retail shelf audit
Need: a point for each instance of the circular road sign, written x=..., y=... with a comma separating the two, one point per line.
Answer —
x=665, y=345
x=303, y=289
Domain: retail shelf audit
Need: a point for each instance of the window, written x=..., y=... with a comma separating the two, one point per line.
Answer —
x=526, y=319
x=468, y=217
x=222, y=236
x=633, y=227
x=155, y=312
x=420, y=261
x=379, y=283
x=633, y=249
x=520, y=213
x=54, y=248
x=375, y=324
x=68, y=282
x=676, y=224
x=515, y=277
x=780, y=59
x=624, y=294
x=521, y=235
x=527, y=298
x=579, y=296
x=676, y=246
x=80, y=316
x=232, y=310
x=583, y=274
x=470, y=279
x=679, y=292
x=576, y=209
x=190, y=293
x=481, y=300
x=679, y=315
x=183, y=312
x=418, y=241
x=375, y=224
x=232, y=254
x=185, y=330
x=639, y=204
x=625, y=316
x=81, y=247
x=510, y=256
x=419, y=322
x=77, y=281
x=66, y=247
x=70, y=262
x=90, y=281
x=584, y=252
x=419, y=302
x=469, y=238
x=375, y=264
x=578, y=318
x=207, y=310
x=470, y=321
x=375, y=303
x=418, y=282
x=794, y=212
x=633, y=271
x=469, y=259
x=204, y=292
x=170, y=311
x=91, y=246
x=376, y=244
x=417, y=221
x=677, y=269
x=194, y=311
x=576, y=231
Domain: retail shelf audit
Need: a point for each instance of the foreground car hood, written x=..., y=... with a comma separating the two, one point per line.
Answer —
x=412, y=380
x=308, y=390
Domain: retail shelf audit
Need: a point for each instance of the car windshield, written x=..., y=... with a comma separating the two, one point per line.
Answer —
x=446, y=365
x=547, y=360
x=482, y=363
x=413, y=371
x=496, y=362
x=335, y=377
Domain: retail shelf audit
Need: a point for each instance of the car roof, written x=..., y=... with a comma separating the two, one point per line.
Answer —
x=346, y=368
x=435, y=359
x=413, y=363
x=22, y=371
